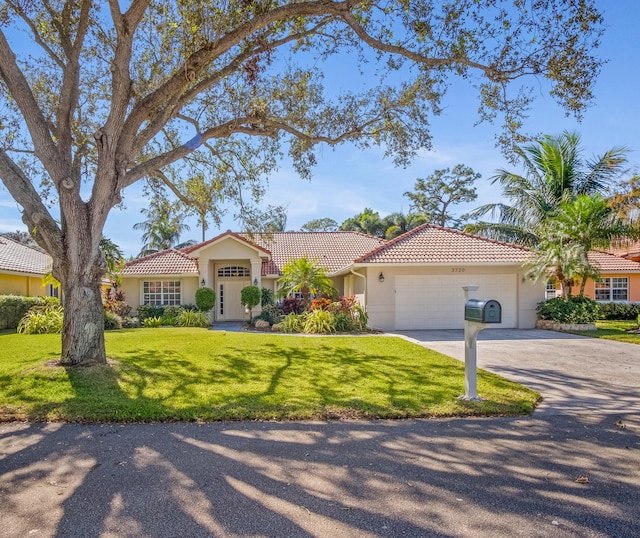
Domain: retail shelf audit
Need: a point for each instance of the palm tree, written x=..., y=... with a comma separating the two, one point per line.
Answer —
x=575, y=229
x=162, y=229
x=555, y=173
x=114, y=257
x=398, y=223
x=368, y=222
x=306, y=276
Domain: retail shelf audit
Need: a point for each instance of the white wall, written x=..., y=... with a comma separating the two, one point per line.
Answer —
x=381, y=295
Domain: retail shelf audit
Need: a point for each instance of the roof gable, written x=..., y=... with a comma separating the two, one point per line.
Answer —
x=165, y=262
x=195, y=250
x=18, y=258
x=430, y=244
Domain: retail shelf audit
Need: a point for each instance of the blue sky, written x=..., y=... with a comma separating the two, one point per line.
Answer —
x=348, y=180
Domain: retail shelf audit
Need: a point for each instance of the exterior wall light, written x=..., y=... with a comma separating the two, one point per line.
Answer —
x=202, y=283
x=381, y=277
x=255, y=281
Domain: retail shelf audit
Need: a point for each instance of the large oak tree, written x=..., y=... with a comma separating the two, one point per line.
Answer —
x=96, y=96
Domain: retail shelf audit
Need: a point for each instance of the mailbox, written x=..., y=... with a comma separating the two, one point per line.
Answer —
x=483, y=311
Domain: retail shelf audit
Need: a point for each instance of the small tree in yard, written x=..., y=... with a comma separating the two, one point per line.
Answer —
x=305, y=276
x=250, y=298
x=205, y=299
x=97, y=96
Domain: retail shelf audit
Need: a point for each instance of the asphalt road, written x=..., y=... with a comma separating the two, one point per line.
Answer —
x=567, y=472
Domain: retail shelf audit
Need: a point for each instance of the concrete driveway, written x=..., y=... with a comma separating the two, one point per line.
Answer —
x=575, y=374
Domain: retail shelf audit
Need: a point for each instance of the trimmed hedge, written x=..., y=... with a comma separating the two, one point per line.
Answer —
x=569, y=310
x=619, y=311
x=14, y=307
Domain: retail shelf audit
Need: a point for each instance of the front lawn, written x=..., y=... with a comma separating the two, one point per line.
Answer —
x=196, y=374
x=614, y=330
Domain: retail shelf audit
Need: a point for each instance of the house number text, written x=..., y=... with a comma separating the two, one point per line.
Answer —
x=457, y=269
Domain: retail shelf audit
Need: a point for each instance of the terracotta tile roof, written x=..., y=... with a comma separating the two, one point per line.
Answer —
x=434, y=244
x=610, y=263
x=629, y=250
x=242, y=237
x=333, y=250
x=165, y=262
x=19, y=258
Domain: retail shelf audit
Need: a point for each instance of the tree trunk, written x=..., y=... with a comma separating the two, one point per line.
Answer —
x=83, y=326
x=80, y=274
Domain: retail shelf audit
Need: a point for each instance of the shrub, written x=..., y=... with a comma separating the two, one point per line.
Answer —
x=112, y=321
x=121, y=308
x=192, y=318
x=320, y=322
x=270, y=313
x=291, y=305
x=14, y=307
x=292, y=323
x=150, y=311
x=321, y=304
x=205, y=299
x=266, y=297
x=250, y=298
x=172, y=311
x=624, y=311
x=168, y=320
x=113, y=301
x=155, y=321
x=343, y=322
x=569, y=310
x=131, y=323
x=361, y=318
x=42, y=319
x=190, y=307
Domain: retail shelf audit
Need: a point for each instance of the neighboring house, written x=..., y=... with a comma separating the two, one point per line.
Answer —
x=22, y=269
x=619, y=279
x=411, y=282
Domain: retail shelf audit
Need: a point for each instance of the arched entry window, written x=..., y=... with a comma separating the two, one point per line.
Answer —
x=234, y=271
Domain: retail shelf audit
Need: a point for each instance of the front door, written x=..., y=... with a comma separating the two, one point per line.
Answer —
x=229, y=306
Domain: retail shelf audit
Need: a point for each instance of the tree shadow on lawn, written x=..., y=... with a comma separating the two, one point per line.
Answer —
x=276, y=381
x=481, y=477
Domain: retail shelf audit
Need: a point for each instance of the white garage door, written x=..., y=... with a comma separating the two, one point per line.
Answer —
x=437, y=302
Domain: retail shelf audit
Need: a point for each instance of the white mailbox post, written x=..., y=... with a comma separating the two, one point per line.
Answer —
x=477, y=314
x=471, y=330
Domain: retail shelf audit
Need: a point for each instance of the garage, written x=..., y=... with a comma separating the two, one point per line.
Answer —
x=437, y=301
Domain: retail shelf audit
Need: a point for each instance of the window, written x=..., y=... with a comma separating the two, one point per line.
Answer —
x=53, y=291
x=221, y=299
x=613, y=289
x=234, y=271
x=166, y=292
x=550, y=292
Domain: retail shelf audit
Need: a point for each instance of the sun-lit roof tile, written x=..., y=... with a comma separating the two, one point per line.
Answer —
x=434, y=244
x=610, y=263
x=165, y=262
x=333, y=250
x=19, y=258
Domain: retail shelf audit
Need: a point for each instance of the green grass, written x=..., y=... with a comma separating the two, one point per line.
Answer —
x=614, y=330
x=194, y=374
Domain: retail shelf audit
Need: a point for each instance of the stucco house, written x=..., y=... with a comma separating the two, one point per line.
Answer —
x=22, y=269
x=411, y=282
x=619, y=279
